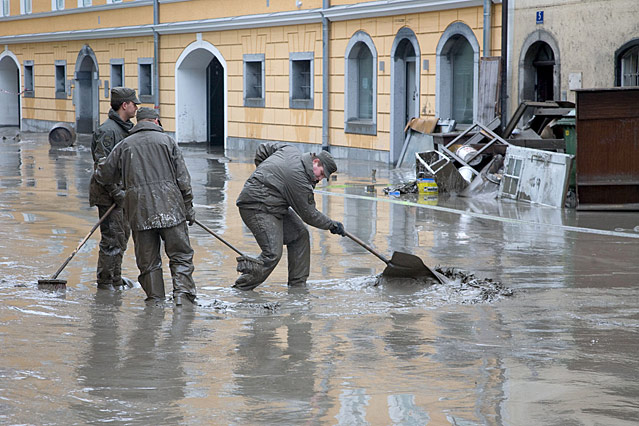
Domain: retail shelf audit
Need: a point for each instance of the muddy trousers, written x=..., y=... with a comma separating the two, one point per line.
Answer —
x=177, y=247
x=272, y=233
x=115, y=232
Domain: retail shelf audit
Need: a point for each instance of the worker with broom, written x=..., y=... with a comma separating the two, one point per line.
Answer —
x=274, y=204
x=158, y=202
x=114, y=229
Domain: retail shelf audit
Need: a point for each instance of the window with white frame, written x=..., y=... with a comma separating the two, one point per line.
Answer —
x=254, y=80
x=113, y=1
x=360, y=89
x=29, y=90
x=630, y=67
x=57, y=4
x=117, y=72
x=301, y=80
x=145, y=80
x=25, y=7
x=60, y=79
x=84, y=3
x=4, y=7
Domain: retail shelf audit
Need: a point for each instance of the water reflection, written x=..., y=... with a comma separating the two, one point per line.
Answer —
x=403, y=411
x=360, y=219
x=402, y=235
x=133, y=372
x=405, y=339
x=275, y=367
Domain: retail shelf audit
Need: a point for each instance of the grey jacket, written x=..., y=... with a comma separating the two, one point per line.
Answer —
x=155, y=180
x=284, y=178
x=112, y=131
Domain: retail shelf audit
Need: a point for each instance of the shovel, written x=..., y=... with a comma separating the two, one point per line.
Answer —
x=243, y=257
x=402, y=265
x=210, y=231
x=53, y=281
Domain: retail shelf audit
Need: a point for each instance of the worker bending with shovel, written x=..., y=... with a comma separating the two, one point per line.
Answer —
x=158, y=203
x=274, y=204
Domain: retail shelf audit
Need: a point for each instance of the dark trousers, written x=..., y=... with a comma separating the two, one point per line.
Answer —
x=271, y=234
x=177, y=247
x=115, y=233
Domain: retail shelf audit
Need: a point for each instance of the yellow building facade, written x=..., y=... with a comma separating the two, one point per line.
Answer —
x=343, y=75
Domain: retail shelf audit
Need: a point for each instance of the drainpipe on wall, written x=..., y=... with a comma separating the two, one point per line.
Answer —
x=325, y=77
x=156, y=55
x=504, y=64
x=487, y=26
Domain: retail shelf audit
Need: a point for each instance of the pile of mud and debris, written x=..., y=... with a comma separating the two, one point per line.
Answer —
x=461, y=286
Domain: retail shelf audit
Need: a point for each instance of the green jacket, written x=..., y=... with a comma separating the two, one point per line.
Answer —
x=284, y=178
x=156, y=183
x=105, y=138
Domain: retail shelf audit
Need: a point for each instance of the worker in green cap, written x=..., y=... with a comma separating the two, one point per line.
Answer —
x=158, y=203
x=114, y=229
x=276, y=201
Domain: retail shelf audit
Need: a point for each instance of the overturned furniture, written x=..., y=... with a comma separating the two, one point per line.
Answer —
x=443, y=165
x=418, y=138
x=536, y=176
x=437, y=165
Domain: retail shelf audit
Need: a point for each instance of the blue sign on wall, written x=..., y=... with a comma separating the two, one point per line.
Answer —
x=540, y=17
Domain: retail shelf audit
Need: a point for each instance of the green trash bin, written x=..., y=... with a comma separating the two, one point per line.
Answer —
x=569, y=130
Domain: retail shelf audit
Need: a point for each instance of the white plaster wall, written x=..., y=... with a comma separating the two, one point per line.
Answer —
x=588, y=33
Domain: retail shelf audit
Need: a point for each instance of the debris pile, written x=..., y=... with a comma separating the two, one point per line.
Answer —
x=461, y=287
x=532, y=164
x=489, y=290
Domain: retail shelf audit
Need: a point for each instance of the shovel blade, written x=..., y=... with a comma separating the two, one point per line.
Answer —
x=404, y=265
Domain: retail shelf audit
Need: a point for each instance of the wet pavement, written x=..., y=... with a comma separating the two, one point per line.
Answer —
x=345, y=349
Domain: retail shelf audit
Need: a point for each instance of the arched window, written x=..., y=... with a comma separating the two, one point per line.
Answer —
x=627, y=64
x=457, y=74
x=360, y=91
x=461, y=55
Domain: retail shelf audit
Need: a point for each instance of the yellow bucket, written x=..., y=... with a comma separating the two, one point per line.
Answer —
x=426, y=186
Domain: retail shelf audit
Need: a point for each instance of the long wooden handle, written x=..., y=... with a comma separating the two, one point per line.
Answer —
x=66, y=262
x=206, y=228
x=366, y=246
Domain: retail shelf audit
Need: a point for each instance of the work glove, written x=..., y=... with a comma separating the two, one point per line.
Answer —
x=118, y=197
x=337, y=228
x=190, y=216
x=252, y=271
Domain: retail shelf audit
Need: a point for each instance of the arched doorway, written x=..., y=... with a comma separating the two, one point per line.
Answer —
x=87, y=77
x=9, y=90
x=405, y=74
x=539, y=68
x=541, y=61
x=201, y=114
x=457, y=75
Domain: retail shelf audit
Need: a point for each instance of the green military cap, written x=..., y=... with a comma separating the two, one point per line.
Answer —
x=328, y=162
x=146, y=113
x=124, y=94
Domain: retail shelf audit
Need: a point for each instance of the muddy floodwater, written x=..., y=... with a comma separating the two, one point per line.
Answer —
x=560, y=350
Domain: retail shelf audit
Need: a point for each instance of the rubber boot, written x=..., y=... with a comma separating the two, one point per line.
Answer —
x=183, y=299
x=153, y=285
x=127, y=283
